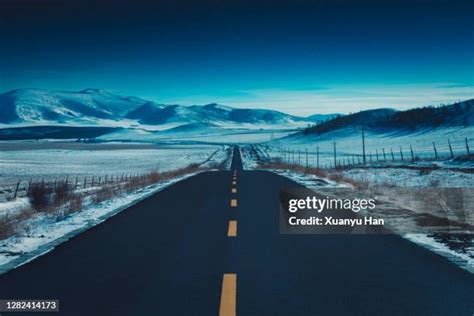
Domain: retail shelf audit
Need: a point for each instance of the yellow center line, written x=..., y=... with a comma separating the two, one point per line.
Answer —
x=234, y=190
x=233, y=202
x=228, y=305
x=232, y=230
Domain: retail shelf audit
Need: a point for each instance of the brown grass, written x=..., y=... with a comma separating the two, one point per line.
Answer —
x=333, y=174
x=285, y=166
x=11, y=223
x=62, y=200
x=40, y=196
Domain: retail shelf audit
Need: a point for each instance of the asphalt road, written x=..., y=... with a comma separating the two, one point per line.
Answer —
x=168, y=255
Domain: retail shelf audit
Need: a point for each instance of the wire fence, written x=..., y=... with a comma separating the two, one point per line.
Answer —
x=330, y=156
x=23, y=187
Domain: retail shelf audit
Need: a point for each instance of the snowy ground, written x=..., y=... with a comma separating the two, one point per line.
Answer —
x=204, y=134
x=44, y=232
x=412, y=178
x=349, y=146
x=463, y=257
x=58, y=160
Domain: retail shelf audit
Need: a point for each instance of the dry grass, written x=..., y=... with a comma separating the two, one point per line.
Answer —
x=297, y=168
x=62, y=199
x=7, y=227
x=332, y=174
x=40, y=196
x=11, y=223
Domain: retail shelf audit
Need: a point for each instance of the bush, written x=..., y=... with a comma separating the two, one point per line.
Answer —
x=11, y=223
x=7, y=227
x=75, y=203
x=40, y=197
x=103, y=194
x=61, y=193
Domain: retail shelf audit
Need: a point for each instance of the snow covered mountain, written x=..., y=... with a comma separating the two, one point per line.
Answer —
x=86, y=106
x=94, y=107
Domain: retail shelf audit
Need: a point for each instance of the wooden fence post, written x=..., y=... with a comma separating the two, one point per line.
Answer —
x=435, y=151
x=393, y=156
x=384, y=155
x=467, y=147
x=401, y=153
x=377, y=154
x=16, y=189
x=450, y=149
x=412, y=155
x=29, y=186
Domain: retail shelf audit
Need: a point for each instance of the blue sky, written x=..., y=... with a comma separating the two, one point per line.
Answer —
x=299, y=56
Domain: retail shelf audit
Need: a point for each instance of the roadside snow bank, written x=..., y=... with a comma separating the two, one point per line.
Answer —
x=412, y=178
x=463, y=259
x=309, y=180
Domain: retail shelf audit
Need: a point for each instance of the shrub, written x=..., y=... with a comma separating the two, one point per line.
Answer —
x=61, y=193
x=75, y=203
x=7, y=227
x=103, y=194
x=40, y=197
x=11, y=223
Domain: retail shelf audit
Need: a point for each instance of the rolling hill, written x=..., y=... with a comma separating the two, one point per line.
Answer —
x=458, y=114
x=98, y=107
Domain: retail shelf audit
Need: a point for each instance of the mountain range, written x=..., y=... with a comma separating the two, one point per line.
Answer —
x=91, y=113
x=98, y=107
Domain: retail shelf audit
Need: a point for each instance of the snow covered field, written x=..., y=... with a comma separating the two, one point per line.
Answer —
x=412, y=178
x=58, y=160
x=349, y=145
x=199, y=133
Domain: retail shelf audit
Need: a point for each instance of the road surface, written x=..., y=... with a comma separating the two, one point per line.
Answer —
x=191, y=250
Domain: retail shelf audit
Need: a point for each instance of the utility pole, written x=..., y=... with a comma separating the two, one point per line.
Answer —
x=317, y=156
x=306, y=149
x=363, y=145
